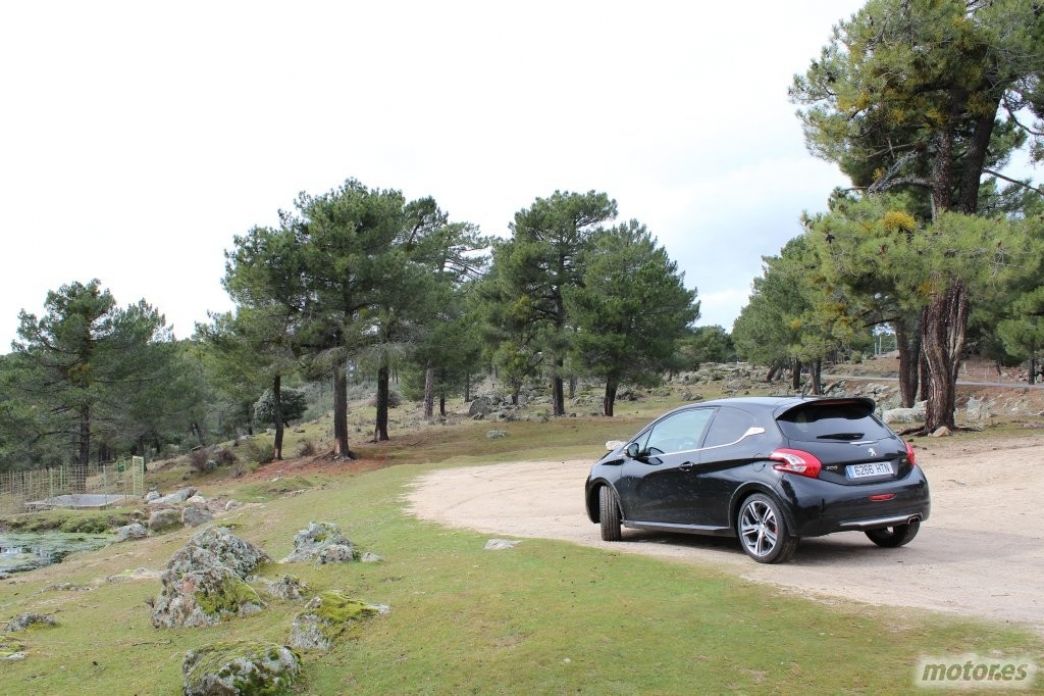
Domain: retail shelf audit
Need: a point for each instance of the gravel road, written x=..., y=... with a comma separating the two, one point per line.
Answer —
x=980, y=554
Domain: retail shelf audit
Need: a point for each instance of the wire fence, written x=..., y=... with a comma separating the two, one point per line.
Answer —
x=40, y=488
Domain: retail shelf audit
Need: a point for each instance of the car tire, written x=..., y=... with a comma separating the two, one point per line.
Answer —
x=762, y=530
x=609, y=514
x=894, y=537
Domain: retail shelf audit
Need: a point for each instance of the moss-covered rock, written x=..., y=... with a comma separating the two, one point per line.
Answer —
x=326, y=617
x=25, y=621
x=311, y=543
x=246, y=668
x=205, y=581
x=11, y=649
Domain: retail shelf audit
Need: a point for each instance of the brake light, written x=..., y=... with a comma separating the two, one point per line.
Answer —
x=794, y=461
x=911, y=456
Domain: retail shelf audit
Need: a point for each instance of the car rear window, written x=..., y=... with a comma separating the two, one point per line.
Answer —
x=849, y=422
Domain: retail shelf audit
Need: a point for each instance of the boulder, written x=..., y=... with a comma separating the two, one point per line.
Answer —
x=152, y=495
x=327, y=616
x=24, y=621
x=193, y=516
x=167, y=518
x=495, y=434
x=979, y=411
x=906, y=415
x=232, y=505
x=174, y=498
x=336, y=553
x=205, y=581
x=370, y=557
x=287, y=587
x=244, y=667
x=481, y=406
x=941, y=431
x=309, y=543
x=197, y=500
x=134, y=530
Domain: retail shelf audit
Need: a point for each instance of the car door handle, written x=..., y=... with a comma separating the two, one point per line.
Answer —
x=687, y=466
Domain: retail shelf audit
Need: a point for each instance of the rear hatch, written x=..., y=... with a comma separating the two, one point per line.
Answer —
x=854, y=447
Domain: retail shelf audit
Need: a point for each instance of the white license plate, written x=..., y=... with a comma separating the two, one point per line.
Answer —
x=867, y=470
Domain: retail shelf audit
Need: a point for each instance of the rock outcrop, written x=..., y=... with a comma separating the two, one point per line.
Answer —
x=224, y=669
x=205, y=581
x=315, y=544
x=326, y=617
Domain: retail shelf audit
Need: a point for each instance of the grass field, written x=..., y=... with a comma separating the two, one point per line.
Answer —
x=544, y=617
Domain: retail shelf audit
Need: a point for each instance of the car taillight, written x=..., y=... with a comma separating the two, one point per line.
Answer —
x=794, y=461
x=911, y=456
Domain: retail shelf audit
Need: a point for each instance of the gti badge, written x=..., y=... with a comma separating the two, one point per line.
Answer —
x=870, y=451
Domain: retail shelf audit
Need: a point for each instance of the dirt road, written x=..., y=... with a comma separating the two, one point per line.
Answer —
x=981, y=553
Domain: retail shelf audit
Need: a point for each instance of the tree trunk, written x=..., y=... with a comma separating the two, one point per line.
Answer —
x=975, y=161
x=610, y=397
x=340, y=389
x=277, y=415
x=572, y=387
x=467, y=387
x=381, y=429
x=514, y=394
x=943, y=332
x=1032, y=369
x=442, y=405
x=908, y=341
x=429, y=392
x=817, y=376
x=795, y=376
x=83, y=451
x=922, y=371
x=773, y=372
x=558, y=394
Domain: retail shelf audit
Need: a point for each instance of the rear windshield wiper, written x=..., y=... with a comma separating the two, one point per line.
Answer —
x=840, y=436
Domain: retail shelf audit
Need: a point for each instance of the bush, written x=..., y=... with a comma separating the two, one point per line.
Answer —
x=225, y=457
x=394, y=400
x=305, y=449
x=201, y=460
x=260, y=452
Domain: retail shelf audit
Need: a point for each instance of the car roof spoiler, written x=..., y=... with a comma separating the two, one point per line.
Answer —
x=817, y=402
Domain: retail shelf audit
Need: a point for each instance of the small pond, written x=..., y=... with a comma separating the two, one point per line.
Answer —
x=22, y=551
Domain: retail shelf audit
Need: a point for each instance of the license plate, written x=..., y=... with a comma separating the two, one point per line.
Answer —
x=868, y=470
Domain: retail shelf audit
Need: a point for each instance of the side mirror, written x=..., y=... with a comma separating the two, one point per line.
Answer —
x=633, y=451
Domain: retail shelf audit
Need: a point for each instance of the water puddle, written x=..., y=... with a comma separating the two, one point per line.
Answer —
x=23, y=551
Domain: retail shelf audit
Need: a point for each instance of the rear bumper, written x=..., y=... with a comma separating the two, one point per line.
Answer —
x=820, y=507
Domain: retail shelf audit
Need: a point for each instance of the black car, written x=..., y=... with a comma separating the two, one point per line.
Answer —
x=769, y=470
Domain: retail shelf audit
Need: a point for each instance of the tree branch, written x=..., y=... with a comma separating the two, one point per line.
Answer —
x=1023, y=184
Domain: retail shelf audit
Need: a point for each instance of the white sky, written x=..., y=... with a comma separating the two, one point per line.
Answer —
x=137, y=138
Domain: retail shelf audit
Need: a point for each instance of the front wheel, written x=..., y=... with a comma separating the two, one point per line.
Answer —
x=763, y=531
x=894, y=537
x=609, y=514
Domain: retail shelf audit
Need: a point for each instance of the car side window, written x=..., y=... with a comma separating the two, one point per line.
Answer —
x=679, y=433
x=728, y=427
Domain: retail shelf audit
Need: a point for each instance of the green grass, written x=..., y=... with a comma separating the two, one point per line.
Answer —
x=74, y=521
x=545, y=617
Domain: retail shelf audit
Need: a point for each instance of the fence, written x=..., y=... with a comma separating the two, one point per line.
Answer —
x=124, y=477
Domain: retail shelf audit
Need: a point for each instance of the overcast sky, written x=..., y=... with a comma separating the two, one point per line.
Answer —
x=137, y=138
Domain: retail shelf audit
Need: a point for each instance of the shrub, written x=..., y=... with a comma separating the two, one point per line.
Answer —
x=305, y=449
x=201, y=460
x=292, y=403
x=260, y=452
x=225, y=456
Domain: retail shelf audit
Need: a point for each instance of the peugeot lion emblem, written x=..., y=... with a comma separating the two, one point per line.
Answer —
x=871, y=451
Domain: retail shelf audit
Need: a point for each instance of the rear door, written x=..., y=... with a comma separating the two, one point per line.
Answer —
x=844, y=434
